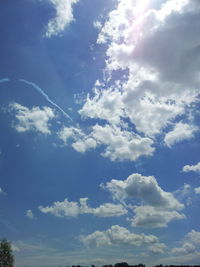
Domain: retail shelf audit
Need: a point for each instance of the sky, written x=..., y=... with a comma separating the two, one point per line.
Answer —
x=99, y=140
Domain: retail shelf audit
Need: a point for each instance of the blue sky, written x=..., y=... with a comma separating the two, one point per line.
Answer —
x=99, y=147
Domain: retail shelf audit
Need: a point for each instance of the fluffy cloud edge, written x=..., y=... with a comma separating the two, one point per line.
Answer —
x=74, y=209
x=64, y=16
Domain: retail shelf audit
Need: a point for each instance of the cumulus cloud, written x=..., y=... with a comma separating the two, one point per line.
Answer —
x=186, y=248
x=35, y=119
x=73, y=209
x=64, y=16
x=77, y=139
x=189, y=244
x=106, y=104
x=160, y=79
x=194, y=236
x=144, y=188
x=119, y=143
x=117, y=235
x=192, y=168
x=84, y=145
x=180, y=132
x=154, y=207
x=29, y=214
x=67, y=133
x=184, y=193
x=157, y=248
x=151, y=217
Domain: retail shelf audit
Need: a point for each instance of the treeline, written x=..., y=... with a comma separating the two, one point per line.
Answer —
x=125, y=264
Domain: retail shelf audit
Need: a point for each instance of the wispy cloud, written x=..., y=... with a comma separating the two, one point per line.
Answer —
x=2, y=192
x=36, y=87
x=29, y=214
x=4, y=80
x=64, y=16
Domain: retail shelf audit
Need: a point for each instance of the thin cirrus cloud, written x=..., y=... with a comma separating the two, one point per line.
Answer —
x=38, y=89
x=64, y=16
x=4, y=80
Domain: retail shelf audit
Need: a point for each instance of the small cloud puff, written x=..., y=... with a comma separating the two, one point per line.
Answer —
x=192, y=168
x=29, y=214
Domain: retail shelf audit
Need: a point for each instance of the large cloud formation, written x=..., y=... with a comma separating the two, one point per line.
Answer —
x=154, y=207
x=155, y=46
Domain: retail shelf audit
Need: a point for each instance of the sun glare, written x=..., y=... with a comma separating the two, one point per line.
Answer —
x=141, y=6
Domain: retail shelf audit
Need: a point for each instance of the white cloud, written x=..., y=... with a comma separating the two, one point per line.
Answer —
x=190, y=243
x=117, y=235
x=151, y=217
x=64, y=16
x=67, y=133
x=144, y=188
x=35, y=119
x=30, y=214
x=106, y=104
x=180, y=132
x=97, y=24
x=15, y=248
x=197, y=190
x=84, y=145
x=1, y=191
x=121, y=144
x=162, y=78
x=156, y=207
x=157, y=248
x=186, y=248
x=73, y=209
x=78, y=140
x=184, y=193
x=192, y=168
x=194, y=236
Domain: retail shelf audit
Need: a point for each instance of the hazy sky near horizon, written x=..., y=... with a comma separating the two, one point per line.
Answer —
x=99, y=147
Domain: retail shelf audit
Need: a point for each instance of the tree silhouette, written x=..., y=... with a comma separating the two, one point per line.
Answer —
x=6, y=257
